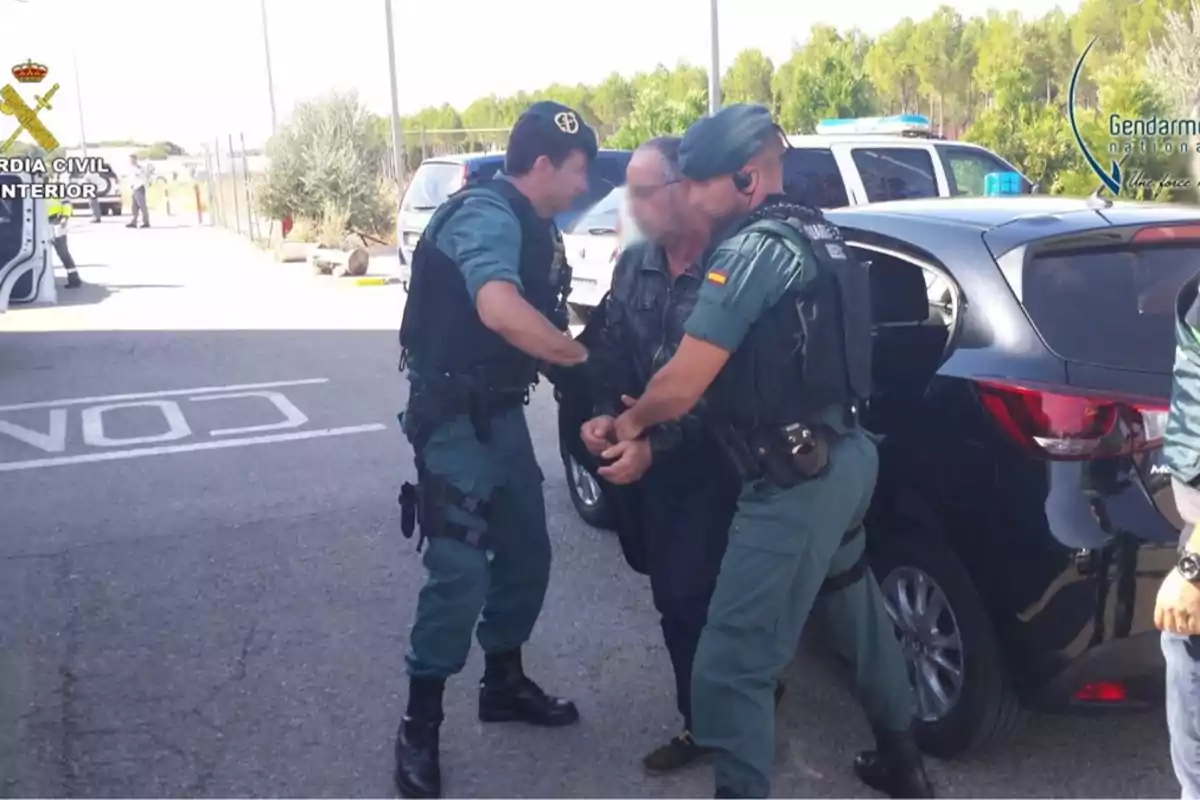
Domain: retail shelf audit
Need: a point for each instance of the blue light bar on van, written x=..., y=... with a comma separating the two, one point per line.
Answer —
x=999, y=184
x=899, y=124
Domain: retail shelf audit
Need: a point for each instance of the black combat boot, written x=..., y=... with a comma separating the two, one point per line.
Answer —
x=418, y=773
x=507, y=695
x=73, y=281
x=895, y=767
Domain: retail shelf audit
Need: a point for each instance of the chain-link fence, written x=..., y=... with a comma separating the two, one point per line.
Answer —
x=228, y=179
x=221, y=187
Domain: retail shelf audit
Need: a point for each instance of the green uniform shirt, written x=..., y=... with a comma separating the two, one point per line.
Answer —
x=483, y=237
x=747, y=274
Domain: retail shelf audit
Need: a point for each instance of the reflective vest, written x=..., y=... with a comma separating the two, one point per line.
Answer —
x=441, y=333
x=821, y=330
x=59, y=208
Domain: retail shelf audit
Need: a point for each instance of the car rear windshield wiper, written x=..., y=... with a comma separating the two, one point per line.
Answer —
x=422, y=208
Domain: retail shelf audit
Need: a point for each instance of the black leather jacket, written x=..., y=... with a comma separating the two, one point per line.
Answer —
x=644, y=316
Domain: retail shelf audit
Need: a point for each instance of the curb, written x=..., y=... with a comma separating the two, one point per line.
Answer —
x=375, y=280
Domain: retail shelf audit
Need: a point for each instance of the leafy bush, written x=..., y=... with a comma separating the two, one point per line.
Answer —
x=324, y=164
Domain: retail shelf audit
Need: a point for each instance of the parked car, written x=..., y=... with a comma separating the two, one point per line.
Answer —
x=1023, y=518
x=438, y=178
x=853, y=162
x=108, y=191
x=592, y=243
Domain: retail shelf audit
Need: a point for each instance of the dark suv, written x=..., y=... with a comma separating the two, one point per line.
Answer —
x=1023, y=518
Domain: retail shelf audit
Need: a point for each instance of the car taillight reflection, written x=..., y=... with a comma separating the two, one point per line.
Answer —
x=1067, y=424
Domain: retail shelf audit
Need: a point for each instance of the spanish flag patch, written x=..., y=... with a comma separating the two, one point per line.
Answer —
x=717, y=277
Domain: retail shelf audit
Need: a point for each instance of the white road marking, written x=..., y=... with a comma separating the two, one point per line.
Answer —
x=293, y=417
x=53, y=441
x=92, y=419
x=113, y=398
x=143, y=452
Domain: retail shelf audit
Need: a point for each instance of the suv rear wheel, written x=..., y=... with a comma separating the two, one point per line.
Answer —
x=964, y=698
x=586, y=496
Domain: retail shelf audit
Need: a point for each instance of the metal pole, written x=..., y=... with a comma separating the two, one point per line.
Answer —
x=262, y=4
x=218, y=193
x=397, y=131
x=246, y=187
x=237, y=212
x=714, y=68
x=79, y=102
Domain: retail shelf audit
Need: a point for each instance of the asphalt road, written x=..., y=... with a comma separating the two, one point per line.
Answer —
x=189, y=608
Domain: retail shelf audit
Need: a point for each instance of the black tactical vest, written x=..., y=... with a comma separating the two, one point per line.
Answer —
x=811, y=351
x=441, y=333
x=1182, y=448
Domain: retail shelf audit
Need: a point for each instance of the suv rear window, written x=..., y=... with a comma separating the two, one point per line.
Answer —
x=895, y=173
x=1112, y=307
x=811, y=176
x=432, y=183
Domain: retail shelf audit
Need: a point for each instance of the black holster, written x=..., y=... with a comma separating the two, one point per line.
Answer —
x=784, y=456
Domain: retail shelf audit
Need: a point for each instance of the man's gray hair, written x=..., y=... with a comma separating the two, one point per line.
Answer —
x=668, y=148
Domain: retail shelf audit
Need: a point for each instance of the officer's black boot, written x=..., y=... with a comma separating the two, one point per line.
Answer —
x=507, y=695
x=418, y=773
x=895, y=767
x=73, y=281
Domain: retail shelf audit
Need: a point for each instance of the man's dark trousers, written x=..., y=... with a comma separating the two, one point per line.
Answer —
x=690, y=496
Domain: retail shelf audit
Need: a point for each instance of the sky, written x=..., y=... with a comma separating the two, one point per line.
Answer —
x=195, y=71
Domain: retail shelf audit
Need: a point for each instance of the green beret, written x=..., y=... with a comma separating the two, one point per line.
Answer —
x=721, y=144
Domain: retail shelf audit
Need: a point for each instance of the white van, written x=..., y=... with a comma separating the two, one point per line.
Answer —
x=26, y=272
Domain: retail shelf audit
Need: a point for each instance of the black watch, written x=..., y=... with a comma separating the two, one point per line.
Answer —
x=1189, y=566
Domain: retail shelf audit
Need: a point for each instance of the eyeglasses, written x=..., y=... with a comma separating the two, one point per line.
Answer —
x=646, y=192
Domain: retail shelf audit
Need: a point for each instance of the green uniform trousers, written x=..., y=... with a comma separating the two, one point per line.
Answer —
x=501, y=584
x=783, y=544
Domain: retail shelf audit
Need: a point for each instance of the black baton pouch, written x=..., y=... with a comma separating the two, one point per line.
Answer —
x=409, y=499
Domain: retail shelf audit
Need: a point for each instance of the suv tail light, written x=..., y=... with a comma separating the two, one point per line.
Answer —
x=1068, y=424
x=1166, y=234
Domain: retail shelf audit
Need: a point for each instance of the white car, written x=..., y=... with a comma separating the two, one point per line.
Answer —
x=592, y=244
x=848, y=162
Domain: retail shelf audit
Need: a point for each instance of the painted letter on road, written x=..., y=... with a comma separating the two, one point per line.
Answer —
x=53, y=441
x=292, y=416
x=93, y=424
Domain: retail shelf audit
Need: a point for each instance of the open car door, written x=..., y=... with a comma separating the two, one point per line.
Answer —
x=24, y=236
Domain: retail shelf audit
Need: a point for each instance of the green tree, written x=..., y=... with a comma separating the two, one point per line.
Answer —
x=889, y=67
x=748, y=79
x=824, y=78
x=325, y=162
x=656, y=113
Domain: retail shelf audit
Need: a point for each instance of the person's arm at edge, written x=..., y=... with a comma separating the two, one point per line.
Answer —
x=483, y=238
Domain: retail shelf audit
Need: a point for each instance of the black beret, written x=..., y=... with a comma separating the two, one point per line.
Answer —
x=547, y=119
x=721, y=144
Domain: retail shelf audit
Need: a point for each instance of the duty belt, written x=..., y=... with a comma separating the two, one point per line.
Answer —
x=784, y=456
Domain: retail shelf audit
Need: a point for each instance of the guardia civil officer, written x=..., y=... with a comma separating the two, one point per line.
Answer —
x=779, y=346
x=486, y=305
x=1177, y=607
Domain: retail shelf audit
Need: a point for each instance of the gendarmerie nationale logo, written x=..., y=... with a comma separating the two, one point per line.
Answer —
x=1150, y=136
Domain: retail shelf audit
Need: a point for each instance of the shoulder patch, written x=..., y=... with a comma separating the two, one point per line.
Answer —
x=717, y=276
